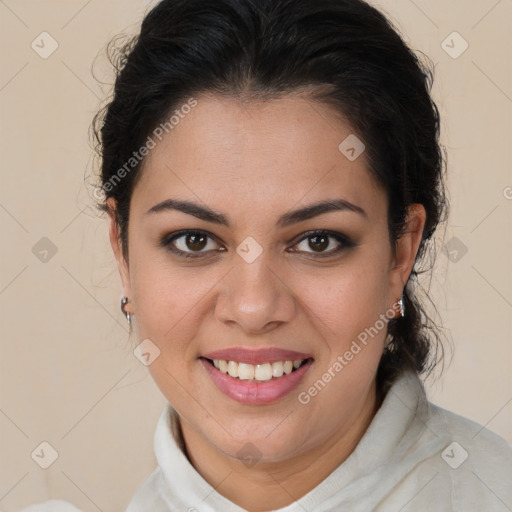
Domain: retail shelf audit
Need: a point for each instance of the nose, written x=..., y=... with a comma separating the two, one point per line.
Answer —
x=255, y=297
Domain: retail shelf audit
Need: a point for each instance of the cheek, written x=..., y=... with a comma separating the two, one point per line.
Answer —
x=349, y=311
x=171, y=302
x=349, y=298
x=170, y=306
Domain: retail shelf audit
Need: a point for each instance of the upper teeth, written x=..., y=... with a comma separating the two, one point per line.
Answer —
x=263, y=372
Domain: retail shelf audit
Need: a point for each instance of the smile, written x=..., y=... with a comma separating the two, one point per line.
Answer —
x=256, y=384
x=259, y=372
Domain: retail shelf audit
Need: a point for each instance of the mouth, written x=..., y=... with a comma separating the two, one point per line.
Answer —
x=257, y=372
x=256, y=384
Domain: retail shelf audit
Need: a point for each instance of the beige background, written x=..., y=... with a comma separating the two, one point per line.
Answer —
x=68, y=375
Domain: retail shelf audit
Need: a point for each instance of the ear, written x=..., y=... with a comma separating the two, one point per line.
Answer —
x=115, y=242
x=406, y=249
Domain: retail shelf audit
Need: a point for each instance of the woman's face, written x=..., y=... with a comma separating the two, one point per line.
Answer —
x=257, y=288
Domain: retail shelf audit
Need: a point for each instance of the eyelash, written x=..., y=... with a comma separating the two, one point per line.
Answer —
x=166, y=242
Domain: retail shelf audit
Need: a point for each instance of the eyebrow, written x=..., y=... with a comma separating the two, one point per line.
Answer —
x=289, y=218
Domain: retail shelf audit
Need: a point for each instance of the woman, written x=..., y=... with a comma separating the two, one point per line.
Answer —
x=273, y=178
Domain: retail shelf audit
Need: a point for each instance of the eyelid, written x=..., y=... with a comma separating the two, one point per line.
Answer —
x=327, y=232
x=167, y=242
x=344, y=241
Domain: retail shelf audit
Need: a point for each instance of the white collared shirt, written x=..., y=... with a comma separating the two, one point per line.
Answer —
x=414, y=457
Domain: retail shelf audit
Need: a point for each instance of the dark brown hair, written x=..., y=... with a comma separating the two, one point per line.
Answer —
x=345, y=51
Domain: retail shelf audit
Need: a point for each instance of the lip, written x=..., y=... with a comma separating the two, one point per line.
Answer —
x=256, y=356
x=256, y=393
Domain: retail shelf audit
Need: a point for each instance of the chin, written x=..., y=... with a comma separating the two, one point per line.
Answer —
x=267, y=441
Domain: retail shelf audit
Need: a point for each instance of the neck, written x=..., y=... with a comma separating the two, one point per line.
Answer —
x=271, y=485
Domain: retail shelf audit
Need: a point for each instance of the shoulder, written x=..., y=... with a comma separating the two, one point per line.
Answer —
x=51, y=506
x=446, y=461
x=476, y=437
x=470, y=464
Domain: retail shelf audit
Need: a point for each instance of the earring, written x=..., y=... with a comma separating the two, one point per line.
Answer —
x=388, y=345
x=402, y=306
x=124, y=301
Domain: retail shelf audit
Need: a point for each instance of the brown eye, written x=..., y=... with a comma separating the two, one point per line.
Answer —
x=320, y=241
x=195, y=242
x=189, y=244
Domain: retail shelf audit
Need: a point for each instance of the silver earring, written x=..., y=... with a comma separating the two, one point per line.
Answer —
x=124, y=301
x=388, y=345
x=402, y=306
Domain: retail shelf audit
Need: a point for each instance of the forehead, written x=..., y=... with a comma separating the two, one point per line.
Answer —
x=262, y=156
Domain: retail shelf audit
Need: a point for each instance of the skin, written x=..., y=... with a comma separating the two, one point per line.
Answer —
x=253, y=162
